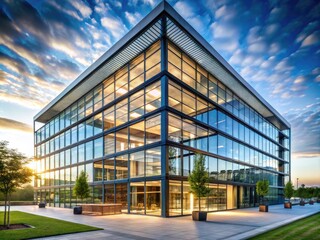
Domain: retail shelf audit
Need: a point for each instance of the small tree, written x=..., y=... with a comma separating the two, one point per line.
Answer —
x=262, y=188
x=199, y=178
x=81, y=188
x=288, y=190
x=13, y=174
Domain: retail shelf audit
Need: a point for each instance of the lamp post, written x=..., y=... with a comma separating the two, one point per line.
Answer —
x=297, y=183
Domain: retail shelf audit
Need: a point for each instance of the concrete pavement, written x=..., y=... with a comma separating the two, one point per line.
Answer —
x=234, y=224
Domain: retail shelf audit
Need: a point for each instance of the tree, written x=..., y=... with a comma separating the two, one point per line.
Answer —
x=13, y=174
x=262, y=188
x=81, y=188
x=199, y=178
x=288, y=190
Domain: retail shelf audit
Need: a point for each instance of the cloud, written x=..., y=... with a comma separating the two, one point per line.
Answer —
x=299, y=155
x=10, y=124
x=305, y=125
x=114, y=26
x=190, y=12
x=312, y=39
x=133, y=18
x=258, y=47
x=80, y=6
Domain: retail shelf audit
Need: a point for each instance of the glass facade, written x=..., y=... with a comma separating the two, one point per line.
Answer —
x=137, y=132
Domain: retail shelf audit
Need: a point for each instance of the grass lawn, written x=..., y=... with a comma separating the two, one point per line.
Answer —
x=44, y=226
x=307, y=228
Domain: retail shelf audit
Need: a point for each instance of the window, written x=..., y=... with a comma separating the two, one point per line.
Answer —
x=74, y=113
x=81, y=104
x=89, y=171
x=98, y=147
x=109, y=193
x=122, y=112
x=137, y=105
x=122, y=166
x=122, y=140
x=174, y=129
x=121, y=81
x=108, y=90
x=98, y=171
x=153, y=197
x=97, y=97
x=137, y=135
x=74, y=135
x=74, y=155
x=137, y=203
x=109, y=170
x=89, y=150
x=108, y=118
x=89, y=128
x=81, y=156
x=153, y=161
x=137, y=164
x=153, y=129
x=81, y=131
x=109, y=146
x=174, y=161
x=153, y=97
x=153, y=63
x=67, y=156
x=97, y=124
x=89, y=103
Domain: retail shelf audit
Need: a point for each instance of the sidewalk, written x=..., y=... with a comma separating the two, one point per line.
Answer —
x=235, y=224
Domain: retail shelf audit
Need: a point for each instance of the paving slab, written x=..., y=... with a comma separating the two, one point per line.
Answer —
x=231, y=225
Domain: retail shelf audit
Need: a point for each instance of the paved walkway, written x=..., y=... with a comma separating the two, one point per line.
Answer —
x=235, y=224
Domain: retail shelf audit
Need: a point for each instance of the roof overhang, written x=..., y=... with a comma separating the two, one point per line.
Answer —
x=147, y=31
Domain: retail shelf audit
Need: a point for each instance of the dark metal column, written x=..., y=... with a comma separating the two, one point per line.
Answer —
x=164, y=122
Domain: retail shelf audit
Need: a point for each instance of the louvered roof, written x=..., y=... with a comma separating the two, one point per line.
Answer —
x=147, y=31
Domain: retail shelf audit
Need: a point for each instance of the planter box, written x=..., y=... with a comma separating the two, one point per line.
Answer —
x=302, y=203
x=42, y=205
x=199, y=216
x=77, y=210
x=263, y=208
x=288, y=205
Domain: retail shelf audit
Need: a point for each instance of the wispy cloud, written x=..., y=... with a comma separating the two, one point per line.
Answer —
x=10, y=124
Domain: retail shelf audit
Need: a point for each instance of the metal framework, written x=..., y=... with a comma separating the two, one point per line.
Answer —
x=163, y=20
x=163, y=24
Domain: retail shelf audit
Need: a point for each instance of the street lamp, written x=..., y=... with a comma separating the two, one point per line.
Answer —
x=297, y=183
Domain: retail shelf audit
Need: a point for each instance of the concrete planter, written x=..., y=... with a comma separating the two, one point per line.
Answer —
x=77, y=210
x=199, y=216
x=263, y=208
x=42, y=205
x=288, y=205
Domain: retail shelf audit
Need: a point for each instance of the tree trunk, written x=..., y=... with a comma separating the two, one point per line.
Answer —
x=8, y=221
x=5, y=210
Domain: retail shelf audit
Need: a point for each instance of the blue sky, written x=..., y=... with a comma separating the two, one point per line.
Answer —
x=274, y=45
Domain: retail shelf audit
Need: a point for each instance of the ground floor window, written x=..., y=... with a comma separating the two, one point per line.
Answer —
x=182, y=202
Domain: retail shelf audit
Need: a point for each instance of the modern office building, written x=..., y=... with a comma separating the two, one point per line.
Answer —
x=134, y=120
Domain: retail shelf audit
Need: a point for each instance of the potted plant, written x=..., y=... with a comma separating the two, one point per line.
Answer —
x=81, y=189
x=288, y=193
x=262, y=189
x=198, y=180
